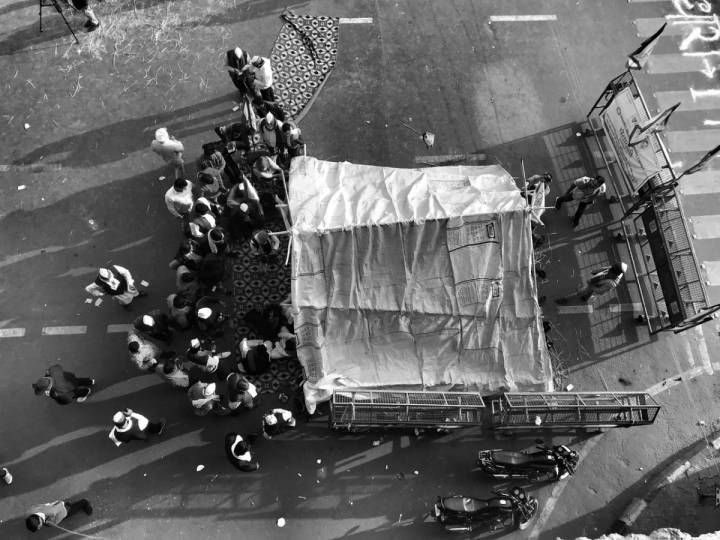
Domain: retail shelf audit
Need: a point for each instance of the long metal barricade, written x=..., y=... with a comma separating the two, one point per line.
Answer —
x=361, y=408
x=514, y=411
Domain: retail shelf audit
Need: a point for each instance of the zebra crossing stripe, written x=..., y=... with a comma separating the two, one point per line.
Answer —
x=705, y=227
x=647, y=27
x=11, y=332
x=700, y=183
x=692, y=141
x=675, y=63
x=711, y=270
x=667, y=99
x=63, y=330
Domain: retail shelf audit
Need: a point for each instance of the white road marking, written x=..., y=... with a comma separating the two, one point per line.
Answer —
x=522, y=18
x=450, y=157
x=674, y=63
x=131, y=244
x=701, y=140
x=711, y=270
x=647, y=27
x=635, y=307
x=356, y=20
x=667, y=99
x=704, y=227
x=549, y=505
x=11, y=332
x=707, y=122
x=572, y=310
x=700, y=183
x=118, y=328
x=34, y=167
x=674, y=381
x=63, y=330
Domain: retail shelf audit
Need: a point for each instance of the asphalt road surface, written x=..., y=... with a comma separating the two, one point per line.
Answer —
x=80, y=189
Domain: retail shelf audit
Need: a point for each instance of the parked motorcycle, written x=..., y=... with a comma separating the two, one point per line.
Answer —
x=547, y=464
x=507, y=510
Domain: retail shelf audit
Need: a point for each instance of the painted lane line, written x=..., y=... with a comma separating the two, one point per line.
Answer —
x=647, y=27
x=356, y=20
x=450, y=157
x=34, y=167
x=701, y=140
x=634, y=307
x=700, y=183
x=666, y=384
x=711, y=270
x=63, y=330
x=572, y=310
x=11, y=332
x=677, y=473
x=118, y=328
x=674, y=63
x=132, y=244
x=522, y=18
x=705, y=227
x=685, y=97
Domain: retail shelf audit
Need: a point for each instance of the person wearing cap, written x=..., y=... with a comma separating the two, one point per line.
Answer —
x=144, y=354
x=170, y=150
x=204, y=399
x=271, y=133
x=180, y=198
x=585, y=191
x=53, y=513
x=601, y=282
x=131, y=426
x=262, y=70
x=244, y=210
x=264, y=245
x=254, y=356
x=171, y=371
x=180, y=308
x=264, y=169
x=63, y=386
x=237, y=59
x=276, y=422
x=216, y=241
x=155, y=325
x=237, y=449
x=116, y=282
x=241, y=393
x=209, y=313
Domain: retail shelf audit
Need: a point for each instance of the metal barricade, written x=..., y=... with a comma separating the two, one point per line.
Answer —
x=358, y=408
x=513, y=411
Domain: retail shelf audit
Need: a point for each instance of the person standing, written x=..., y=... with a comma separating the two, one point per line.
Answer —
x=237, y=59
x=180, y=198
x=272, y=135
x=603, y=281
x=170, y=149
x=55, y=512
x=131, y=426
x=63, y=386
x=238, y=453
x=261, y=68
x=117, y=282
x=276, y=422
x=585, y=191
x=92, y=22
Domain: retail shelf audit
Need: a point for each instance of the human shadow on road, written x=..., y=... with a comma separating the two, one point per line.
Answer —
x=127, y=136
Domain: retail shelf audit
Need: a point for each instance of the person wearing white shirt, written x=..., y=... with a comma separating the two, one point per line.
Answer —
x=180, y=198
x=261, y=68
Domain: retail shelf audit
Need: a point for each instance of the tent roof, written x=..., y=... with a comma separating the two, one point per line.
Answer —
x=327, y=196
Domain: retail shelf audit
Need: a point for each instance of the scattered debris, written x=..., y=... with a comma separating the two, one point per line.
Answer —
x=624, y=381
x=377, y=442
x=416, y=472
x=98, y=302
x=26, y=126
x=299, y=474
x=569, y=388
x=21, y=187
x=538, y=420
x=236, y=108
x=427, y=137
x=144, y=283
x=280, y=522
x=318, y=461
x=161, y=178
x=302, y=498
x=400, y=476
x=199, y=468
x=88, y=300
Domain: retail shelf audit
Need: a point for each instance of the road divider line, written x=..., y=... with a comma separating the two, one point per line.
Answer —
x=450, y=157
x=668, y=383
x=356, y=20
x=118, y=328
x=572, y=310
x=522, y=18
x=63, y=330
x=11, y=332
x=635, y=307
x=34, y=167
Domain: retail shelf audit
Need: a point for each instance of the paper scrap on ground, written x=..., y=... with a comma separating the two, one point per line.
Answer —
x=144, y=283
x=21, y=187
x=199, y=468
x=98, y=302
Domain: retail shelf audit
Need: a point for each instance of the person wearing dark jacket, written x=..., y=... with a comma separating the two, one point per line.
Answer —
x=131, y=426
x=238, y=453
x=271, y=133
x=276, y=422
x=237, y=59
x=241, y=393
x=63, y=386
x=55, y=512
x=210, y=316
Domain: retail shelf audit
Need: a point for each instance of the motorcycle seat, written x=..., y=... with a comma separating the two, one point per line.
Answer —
x=512, y=458
x=464, y=504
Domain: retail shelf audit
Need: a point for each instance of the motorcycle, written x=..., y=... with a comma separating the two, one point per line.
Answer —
x=507, y=510
x=548, y=464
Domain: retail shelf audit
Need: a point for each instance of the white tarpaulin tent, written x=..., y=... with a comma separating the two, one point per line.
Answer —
x=415, y=277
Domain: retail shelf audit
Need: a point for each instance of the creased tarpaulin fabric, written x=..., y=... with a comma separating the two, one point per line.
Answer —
x=415, y=277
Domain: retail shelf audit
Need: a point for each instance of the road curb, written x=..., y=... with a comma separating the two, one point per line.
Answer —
x=657, y=482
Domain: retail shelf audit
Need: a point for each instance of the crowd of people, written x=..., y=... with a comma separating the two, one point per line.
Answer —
x=239, y=186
